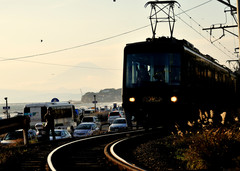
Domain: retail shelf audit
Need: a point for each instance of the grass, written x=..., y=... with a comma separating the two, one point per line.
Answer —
x=214, y=148
x=204, y=145
x=11, y=152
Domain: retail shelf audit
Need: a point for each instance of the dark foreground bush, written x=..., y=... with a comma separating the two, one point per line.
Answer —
x=203, y=146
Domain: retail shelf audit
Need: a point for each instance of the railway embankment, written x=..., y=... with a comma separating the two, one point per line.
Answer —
x=203, y=146
x=28, y=157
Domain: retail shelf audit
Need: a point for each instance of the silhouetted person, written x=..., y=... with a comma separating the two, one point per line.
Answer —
x=49, y=123
x=143, y=74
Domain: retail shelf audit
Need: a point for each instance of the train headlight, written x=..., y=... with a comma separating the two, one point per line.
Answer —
x=132, y=99
x=174, y=99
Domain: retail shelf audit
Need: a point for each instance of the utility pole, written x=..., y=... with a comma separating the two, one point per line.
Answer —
x=95, y=103
x=8, y=116
x=233, y=11
x=238, y=19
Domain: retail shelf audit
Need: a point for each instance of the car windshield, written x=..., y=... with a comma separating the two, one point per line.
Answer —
x=57, y=133
x=88, y=119
x=114, y=114
x=84, y=126
x=14, y=135
x=119, y=121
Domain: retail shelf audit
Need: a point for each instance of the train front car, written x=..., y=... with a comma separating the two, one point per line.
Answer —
x=152, y=81
x=166, y=80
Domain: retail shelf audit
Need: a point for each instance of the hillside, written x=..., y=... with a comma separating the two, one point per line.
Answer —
x=106, y=95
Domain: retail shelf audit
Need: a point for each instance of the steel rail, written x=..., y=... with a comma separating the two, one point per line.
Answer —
x=51, y=154
x=124, y=164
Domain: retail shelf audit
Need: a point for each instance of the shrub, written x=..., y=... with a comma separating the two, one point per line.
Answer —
x=207, y=145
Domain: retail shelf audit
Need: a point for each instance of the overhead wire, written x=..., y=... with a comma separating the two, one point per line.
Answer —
x=203, y=35
x=108, y=38
x=65, y=65
x=197, y=6
x=74, y=47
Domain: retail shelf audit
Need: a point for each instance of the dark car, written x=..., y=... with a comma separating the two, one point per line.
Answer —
x=17, y=136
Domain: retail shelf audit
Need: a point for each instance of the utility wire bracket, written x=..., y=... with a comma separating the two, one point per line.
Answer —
x=167, y=9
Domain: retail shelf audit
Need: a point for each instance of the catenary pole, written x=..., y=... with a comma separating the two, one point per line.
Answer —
x=238, y=20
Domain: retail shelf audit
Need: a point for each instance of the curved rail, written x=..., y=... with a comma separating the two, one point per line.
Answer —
x=120, y=152
x=117, y=160
x=69, y=156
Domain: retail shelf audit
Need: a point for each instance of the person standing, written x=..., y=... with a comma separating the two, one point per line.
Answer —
x=49, y=118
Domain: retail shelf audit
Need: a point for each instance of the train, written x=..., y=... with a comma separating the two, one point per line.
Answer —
x=166, y=80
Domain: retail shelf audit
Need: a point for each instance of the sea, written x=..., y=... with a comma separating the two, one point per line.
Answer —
x=15, y=108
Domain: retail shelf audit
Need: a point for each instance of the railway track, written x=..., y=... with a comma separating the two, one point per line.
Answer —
x=113, y=153
x=78, y=154
x=108, y=152
x=85, y=154
x=32, y=157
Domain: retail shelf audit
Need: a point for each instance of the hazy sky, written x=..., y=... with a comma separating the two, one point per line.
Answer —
x=65, y=48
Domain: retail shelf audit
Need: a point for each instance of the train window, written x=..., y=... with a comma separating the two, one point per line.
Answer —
x=209, y=73
x=216, y=76
x=224, y=78
x=174, y=72
x=144, y=69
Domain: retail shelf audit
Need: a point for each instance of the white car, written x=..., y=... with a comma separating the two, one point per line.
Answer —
x=86, y=129
x=89, y=119
x=119, y=124
x=113, y=115
x=93, y=119
x=40, y=130
x=60, y=134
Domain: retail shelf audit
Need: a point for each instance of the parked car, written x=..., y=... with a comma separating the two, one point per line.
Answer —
x=17, y=136
x=113, y=115
x=89, y=111
x=41, y=132
x=93, y=119
x=119, y=124
x=122, y=113
x=86, y=129
x=39, y=125
x=89, y=119
x=60, y=134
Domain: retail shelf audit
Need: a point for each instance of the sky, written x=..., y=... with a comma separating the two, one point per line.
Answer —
x=65, y=48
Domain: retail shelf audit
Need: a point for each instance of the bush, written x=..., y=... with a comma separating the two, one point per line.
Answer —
x=208, y=145
x=204, y=145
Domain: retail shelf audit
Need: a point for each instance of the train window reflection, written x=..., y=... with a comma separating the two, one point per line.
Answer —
x=144, y=69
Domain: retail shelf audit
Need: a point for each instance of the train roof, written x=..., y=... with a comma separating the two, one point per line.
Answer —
x=164, y=40
x=180, y=43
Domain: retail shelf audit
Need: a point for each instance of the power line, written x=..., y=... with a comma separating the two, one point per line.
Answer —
x=74, y=47
x=90, y=43
x=108, y=38
x=195, y=7
x=64, y=65
x=206, y=31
